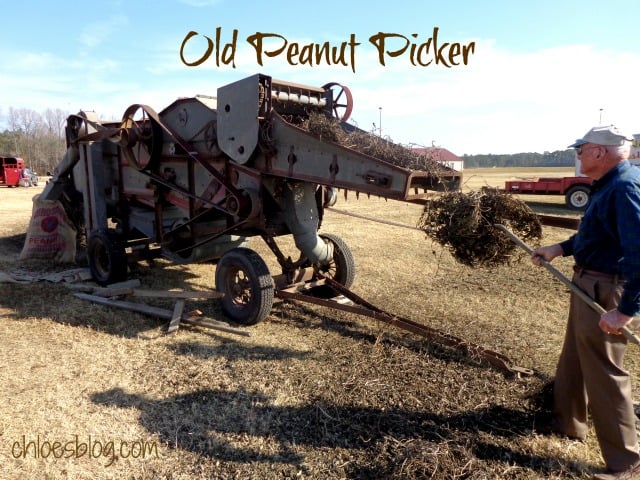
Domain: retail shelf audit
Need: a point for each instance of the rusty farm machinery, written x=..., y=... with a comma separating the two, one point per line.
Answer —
x=193, y=182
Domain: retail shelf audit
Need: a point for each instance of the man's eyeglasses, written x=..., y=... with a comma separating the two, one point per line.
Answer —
x=581, y=149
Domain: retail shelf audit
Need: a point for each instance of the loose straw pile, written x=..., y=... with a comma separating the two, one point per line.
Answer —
x=329, y=129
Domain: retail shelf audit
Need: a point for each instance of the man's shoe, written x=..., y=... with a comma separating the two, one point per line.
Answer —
x=632, y=473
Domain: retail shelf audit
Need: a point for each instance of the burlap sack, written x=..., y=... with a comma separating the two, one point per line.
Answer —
x=50, y=233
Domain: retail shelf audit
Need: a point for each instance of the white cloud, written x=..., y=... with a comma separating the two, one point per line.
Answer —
x=504, y=102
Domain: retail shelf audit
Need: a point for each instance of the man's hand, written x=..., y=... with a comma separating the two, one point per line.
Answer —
x=547, y=253
x=612, y=321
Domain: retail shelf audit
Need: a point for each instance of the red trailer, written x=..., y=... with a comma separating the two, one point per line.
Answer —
x=10, y=171
x=575, y=189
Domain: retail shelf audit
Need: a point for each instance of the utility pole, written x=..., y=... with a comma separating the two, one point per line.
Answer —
x=600, y=122
x=380, y=123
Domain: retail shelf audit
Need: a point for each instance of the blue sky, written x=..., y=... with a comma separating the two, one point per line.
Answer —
x=542, y=73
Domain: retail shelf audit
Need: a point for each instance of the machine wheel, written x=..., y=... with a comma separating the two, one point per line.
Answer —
x=341, y=111
x=342, y=267
x=247, y=285
x=107, y=257
x=577, y=197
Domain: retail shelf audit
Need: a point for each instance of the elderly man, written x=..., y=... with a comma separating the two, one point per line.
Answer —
x=606, y=250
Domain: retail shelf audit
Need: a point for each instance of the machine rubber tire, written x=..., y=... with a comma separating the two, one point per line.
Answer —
x=577, y=197
x=107, y=257
x=247, y=285
x=342, y=268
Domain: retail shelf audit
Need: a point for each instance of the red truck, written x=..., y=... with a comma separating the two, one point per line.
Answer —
x=576, y=189
x=11, y=171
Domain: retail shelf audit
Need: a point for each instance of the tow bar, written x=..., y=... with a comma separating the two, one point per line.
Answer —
x=348, y=301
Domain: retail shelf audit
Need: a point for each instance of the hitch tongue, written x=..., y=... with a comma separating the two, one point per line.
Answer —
x=350, y=302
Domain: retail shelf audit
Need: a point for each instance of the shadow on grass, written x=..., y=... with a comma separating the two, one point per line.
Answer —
x=210, y=423
x=230, y=350
x=12, y=245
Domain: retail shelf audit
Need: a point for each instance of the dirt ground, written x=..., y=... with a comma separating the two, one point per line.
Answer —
x=92, y=392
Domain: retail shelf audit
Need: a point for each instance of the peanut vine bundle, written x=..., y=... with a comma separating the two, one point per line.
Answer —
x=464, y=224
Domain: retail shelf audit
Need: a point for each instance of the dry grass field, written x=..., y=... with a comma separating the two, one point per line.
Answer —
x=91, y=392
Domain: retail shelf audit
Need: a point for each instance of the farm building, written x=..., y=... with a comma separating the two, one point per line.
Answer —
x=443, y=156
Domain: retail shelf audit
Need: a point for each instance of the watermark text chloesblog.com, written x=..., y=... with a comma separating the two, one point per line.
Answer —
x=82, y=446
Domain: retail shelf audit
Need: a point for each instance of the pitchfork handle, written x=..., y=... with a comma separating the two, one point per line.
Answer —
x=632, y=337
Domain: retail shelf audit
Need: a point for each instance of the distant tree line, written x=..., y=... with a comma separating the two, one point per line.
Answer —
x=38, y=138
x=559, y=158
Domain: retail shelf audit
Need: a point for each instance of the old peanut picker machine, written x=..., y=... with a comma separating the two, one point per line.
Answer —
x=193, y=182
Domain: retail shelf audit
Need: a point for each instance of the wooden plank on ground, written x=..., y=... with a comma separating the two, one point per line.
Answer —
x=177, y=315
x=112, y=292
x=137, y=292
x=161, y=313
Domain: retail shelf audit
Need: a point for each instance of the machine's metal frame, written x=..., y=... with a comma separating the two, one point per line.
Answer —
x=193, y=182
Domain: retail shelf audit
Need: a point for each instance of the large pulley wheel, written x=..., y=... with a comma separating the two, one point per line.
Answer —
x=245, y=280
x=107, y=257
x=341, y=101
x=140, y=136
x=342, y=266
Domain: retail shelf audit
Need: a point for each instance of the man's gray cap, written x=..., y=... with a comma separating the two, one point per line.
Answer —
x=603, y=135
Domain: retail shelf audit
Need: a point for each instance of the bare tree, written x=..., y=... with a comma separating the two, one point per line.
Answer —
x=38, y=138
x=54, y=139
x=27, y=123
x=55, y=120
